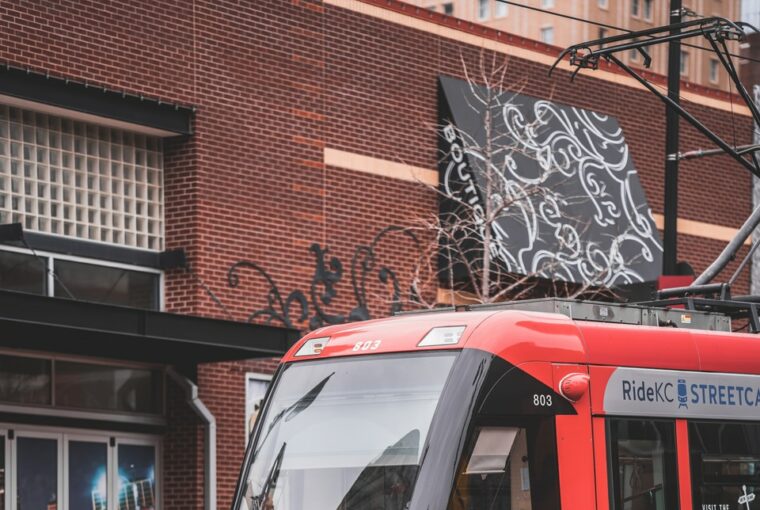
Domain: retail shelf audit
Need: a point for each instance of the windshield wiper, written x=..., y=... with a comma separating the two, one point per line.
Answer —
x=258, y=502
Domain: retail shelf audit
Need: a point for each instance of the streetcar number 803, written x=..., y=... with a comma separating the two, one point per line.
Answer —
x=369, y=345
x=542, y=400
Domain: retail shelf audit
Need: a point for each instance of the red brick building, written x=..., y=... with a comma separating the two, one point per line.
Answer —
x=236, y=131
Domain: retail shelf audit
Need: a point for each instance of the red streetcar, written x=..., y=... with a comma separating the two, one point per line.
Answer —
x=505, y=408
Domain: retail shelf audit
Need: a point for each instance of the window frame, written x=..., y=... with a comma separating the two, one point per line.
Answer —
x=549, y=28
x=636, y=8
x=684, y=70
x=87, y=414
x=532, y=425
x=694, y=482
x=51, y=257
x=254, y=376
x=96, y=151
x=714, y=64
x=483, y=14
x=501, y=9
x=613, y=469
x=650, y=16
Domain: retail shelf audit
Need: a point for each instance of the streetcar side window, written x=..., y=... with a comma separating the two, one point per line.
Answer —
x=642, y=465
x=725, y=464
x=509, y=468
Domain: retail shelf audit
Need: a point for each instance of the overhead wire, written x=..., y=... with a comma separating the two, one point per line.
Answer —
x=613, y=27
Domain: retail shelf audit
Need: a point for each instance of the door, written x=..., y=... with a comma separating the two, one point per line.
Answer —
x=51, y=469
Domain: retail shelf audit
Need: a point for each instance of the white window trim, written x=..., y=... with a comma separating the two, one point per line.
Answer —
x=603, y=4
x=547, y=4
x=63, y=435
x=488, y=10
x=642, y=6
x=717, y=71
x=253, y=376
x=638, y=14
x=500, y=5
x=96, y=262
x=541, y=33
x=34, y=433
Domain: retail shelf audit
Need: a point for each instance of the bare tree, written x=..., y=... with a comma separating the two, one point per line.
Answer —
x=510, y=172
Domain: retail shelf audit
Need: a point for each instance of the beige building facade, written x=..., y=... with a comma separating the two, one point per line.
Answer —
x=697, y=66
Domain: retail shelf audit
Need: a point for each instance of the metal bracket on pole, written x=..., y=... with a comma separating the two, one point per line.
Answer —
x=717, y=31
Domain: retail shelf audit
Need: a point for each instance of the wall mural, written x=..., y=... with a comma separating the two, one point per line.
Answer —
x=577, y=211
x=314, y=305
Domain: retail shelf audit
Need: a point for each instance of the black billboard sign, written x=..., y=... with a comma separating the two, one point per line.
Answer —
x=571, y=206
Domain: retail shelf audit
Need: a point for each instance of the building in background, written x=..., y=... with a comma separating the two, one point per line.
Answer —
x=750, y=69
x=697, y=66
x=174, y=174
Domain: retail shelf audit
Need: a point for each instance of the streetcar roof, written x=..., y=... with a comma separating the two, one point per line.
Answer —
x=523, y=336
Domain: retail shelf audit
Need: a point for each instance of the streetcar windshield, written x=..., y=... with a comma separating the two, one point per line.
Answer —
x=345, y=433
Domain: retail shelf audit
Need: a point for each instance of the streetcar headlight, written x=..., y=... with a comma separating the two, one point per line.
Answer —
x=447, y=335
x=313, y=346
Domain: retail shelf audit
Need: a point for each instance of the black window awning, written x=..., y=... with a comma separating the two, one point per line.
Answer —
x=62, y=326
x=93, y=102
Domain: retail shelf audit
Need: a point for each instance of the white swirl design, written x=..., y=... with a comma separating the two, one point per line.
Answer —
x=591, y=223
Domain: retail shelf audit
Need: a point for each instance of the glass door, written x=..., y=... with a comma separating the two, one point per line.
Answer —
x=87, y=473
x=136, y=480
x=57, y=470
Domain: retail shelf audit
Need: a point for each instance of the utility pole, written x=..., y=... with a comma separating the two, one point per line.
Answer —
x=670, y=244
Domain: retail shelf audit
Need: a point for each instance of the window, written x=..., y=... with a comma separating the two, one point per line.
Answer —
x=106, y=387
x=684, y=63
x=78, y=385
x=642, y=464
x=23, y=273
x=102, y=284
x=74, y=470
x=448, y=9
x=504, y=467
x=25, y=380
x=64, y=177
x=501, y=9
x=725, y=463
x=635, y=8
x=633, y=55
x=547, y=4
x=255, y=390
x=547, y=35
x=83, y=279
x=648, y=9
x=714, y=66
x=483, y=9
x=603, y=4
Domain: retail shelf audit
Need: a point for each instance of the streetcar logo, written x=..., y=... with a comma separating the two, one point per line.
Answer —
x=683, y=397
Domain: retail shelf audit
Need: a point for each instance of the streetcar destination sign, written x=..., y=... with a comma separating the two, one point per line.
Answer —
x=643, y=392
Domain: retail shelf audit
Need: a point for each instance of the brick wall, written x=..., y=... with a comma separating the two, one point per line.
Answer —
x=274, y=83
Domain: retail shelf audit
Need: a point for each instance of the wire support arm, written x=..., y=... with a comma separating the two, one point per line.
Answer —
x=586, y=55
x=725, y=147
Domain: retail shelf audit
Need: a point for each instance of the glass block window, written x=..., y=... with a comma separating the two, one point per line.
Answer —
x=64, y=177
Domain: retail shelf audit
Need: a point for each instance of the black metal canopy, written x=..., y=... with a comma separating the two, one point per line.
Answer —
x=63, y=326
x=170, y=118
